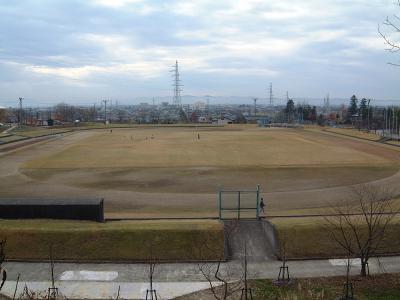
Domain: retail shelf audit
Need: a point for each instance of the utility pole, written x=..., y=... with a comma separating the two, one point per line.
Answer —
x=328, y=106
x=20, y=110
x=389, y=125
x=255, y=106
x=369, y=100
x=386, y=120
x=271, y=96
x=105, y=110
x=393, y=121
x=208, y=107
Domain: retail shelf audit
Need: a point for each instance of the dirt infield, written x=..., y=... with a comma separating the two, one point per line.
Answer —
x=152, y=172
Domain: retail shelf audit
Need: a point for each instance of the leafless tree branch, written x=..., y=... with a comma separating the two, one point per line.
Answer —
x=362, y=235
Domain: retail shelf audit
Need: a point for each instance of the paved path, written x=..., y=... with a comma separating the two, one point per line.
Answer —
x=101, y=281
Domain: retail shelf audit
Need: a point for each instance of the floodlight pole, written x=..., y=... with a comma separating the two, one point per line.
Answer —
x=20, y=110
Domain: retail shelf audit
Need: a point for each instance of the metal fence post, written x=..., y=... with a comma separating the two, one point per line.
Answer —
x=258, y=201
x=220, y=204
x=238, y=213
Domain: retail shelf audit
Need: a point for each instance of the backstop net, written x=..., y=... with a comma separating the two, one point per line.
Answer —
x=239, y=204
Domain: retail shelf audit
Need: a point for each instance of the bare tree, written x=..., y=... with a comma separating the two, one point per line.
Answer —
x=3, y=271
x=53, y=290
x=394, y=26
x=348, y=288
x=247, y=293
x=222, y=278
x=151, y=245
x=360, y=228
x=283, y=276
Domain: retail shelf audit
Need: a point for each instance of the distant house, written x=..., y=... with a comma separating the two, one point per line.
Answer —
x=263, y=121
x=202, y=119
x=223, y=121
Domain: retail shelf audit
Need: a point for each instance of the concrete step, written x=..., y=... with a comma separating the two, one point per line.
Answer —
x=250, y=233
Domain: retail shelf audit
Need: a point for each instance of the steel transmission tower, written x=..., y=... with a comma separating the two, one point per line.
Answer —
x=327, y=106
x=177, y=86
x=271, y=96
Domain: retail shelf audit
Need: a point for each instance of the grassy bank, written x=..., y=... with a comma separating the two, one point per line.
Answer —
x=111, y=241
x=377, y=287
x=308, y=238
x=354, y=133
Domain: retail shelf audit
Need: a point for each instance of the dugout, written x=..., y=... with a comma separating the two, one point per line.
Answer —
x=69, y=209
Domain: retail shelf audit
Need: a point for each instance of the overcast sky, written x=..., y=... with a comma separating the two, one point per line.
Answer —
x=85, y=51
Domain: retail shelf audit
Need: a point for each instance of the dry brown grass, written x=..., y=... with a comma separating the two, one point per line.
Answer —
x=116, y=241
x=355, y=133
x=298, y=232
x=172, y=147
x=175, y=174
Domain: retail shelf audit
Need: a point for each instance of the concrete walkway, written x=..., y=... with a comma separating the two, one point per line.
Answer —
x=101, y=281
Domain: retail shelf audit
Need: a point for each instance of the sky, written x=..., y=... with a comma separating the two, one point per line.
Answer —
x=74, y=51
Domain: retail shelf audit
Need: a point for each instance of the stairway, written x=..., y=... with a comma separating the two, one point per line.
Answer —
x=251, y=232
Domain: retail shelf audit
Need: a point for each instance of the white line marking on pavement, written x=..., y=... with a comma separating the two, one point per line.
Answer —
x=343, y=262
x=88, y=275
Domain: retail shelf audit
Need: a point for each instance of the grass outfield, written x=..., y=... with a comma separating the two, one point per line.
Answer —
x=171, y=147
x=111, y=241
x=298, y=232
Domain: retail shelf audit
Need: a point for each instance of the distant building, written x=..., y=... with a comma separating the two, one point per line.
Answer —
x=199, y=105
x=223, y=122
x=202, y=119
x=264, y=121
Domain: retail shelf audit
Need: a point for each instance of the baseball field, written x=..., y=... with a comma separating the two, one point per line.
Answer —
x=177, y=172
x=166, y=172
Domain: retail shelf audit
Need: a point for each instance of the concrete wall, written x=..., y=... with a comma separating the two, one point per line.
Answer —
x=92, y=210
x=272, y=237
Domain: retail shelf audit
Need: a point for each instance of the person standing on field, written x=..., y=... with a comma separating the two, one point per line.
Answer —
x=262, y=205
